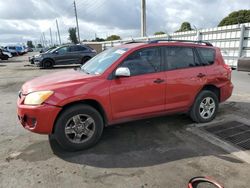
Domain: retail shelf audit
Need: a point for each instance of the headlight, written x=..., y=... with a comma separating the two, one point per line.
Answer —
x=37, y=98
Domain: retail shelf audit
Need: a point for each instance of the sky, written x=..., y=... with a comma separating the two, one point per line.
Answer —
x=22, y=20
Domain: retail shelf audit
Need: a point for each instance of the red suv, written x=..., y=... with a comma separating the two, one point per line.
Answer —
x=128, y=82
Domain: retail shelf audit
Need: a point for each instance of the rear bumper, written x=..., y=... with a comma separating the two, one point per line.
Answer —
x=38, y=119
x=226, y=91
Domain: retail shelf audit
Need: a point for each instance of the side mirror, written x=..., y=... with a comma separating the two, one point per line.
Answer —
x=56, y=52
x=122, y=72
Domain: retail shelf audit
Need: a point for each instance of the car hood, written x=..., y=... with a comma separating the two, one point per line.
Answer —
x=7, y=53
x=56, y=80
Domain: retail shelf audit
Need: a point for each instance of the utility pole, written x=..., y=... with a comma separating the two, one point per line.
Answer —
x=77, y=26
x=44, y=39
x=42, y=43
x=58, y=32
x=143, y=18
x=56, y=38
x=51, y=42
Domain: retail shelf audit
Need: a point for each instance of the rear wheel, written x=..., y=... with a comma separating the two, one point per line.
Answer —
x=78, y=127
x=47, y=64
x=205, y=107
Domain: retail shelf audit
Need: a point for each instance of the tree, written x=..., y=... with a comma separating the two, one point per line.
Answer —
x=113, y=37
x=30, y=44
x=185, y=26
x=159, y=33
x=72, y=35
x=98, y=40
x=39, y=46
x=236, y=17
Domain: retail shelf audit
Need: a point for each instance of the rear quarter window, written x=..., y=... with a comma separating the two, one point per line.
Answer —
x=207, y=55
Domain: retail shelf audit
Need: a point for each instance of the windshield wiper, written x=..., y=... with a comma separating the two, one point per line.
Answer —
x=84, y=70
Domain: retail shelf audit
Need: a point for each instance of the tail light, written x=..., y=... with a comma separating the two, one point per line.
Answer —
x=229, y=71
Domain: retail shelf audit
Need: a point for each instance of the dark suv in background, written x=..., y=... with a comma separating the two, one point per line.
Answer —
x=66, y=54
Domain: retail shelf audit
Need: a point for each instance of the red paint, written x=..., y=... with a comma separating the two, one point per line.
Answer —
x=127, y=98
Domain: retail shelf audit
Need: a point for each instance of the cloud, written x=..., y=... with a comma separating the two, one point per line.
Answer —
x=27, y=19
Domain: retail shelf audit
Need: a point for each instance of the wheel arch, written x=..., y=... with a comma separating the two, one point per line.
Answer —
x=48, y=58
x=93, y=103
x=86, y=57
x=212, y=88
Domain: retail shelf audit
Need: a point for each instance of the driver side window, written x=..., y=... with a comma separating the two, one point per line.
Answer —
x=143, y=61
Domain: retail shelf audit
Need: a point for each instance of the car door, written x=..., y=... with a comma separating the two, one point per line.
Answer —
x=143, y=92
x=62, y=56
x=74, y=54
x=185, y=76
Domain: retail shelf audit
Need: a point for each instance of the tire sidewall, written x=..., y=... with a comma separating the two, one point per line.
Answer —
x=198, y=101
x=47, y=64
x=63, y=119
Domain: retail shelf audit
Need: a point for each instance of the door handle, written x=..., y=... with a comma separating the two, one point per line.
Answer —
x=201, y=75
x=158, y=81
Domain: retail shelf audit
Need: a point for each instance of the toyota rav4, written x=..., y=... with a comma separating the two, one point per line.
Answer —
x=124, y=83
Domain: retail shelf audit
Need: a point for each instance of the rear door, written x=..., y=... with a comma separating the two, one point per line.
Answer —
x=74, y=54
x=84, y=52
x=143, y=92
x=185, y=76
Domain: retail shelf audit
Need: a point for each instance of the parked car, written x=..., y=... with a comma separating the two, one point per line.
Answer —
x=67, y=54
x=37, y=56
x=125, y=83
x=20, y=50
x=3, y=56
x=6, y=53
x=29, y=49
x=12, y=50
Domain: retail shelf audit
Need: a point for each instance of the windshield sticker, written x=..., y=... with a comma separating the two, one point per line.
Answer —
x=120, y=51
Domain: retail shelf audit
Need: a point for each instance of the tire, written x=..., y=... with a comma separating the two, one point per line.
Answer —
x=5, y=57
x=85, y=59
x=47, y=64
x=78, y=127
x=205, y=107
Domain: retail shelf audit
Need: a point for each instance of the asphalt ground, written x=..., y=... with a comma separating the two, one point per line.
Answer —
x=156, y=152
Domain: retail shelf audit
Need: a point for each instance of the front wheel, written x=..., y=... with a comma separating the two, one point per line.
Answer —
x=78, y=127
x=47, y=64
x=205, y=107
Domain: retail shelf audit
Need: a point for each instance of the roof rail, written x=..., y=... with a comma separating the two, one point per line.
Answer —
x=136, y=41
x=172, y=40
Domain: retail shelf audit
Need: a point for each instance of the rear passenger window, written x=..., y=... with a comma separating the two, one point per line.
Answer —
x=81, y=48
x=73, y=48
x=207, y=55
x=144, y=61
x=180, y=57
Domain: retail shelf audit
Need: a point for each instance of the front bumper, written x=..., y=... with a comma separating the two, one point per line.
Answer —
x=37, y=62
x=38, y=119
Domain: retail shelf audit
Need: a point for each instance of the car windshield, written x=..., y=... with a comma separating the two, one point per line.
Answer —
x=99, y=63
x=51, y=50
